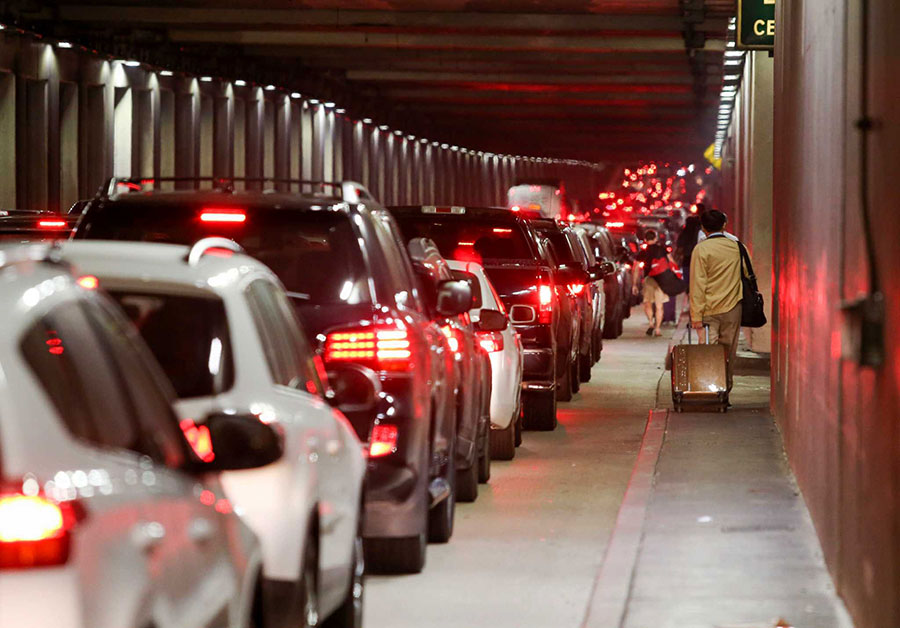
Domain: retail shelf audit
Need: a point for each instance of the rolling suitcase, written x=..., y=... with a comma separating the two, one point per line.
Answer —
x=699, y=375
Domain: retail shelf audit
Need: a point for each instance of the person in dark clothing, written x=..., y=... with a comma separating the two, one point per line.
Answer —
x=684, y=246
x=652, y=260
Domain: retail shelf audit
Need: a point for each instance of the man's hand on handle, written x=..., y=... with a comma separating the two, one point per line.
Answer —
x=697, y=324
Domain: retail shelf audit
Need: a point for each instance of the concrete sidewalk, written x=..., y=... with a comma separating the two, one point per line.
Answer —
x=725, y=537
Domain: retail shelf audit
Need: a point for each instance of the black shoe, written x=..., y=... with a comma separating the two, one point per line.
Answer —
x=649, y=331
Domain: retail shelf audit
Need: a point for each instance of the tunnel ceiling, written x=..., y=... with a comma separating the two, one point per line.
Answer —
x=601, y=80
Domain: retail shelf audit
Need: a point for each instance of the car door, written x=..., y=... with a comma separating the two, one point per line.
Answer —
x=185, y=533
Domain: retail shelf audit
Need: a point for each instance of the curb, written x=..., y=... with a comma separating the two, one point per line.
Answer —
x=612, y=588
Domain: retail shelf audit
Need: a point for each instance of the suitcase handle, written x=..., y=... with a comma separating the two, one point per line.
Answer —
x=705, y=326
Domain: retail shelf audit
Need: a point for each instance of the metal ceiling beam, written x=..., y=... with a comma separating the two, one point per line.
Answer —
x=363, y=41
x=397, y=76
x=163, y=14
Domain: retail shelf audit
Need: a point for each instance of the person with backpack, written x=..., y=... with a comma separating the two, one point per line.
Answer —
x=716, y=286
x=654, y=260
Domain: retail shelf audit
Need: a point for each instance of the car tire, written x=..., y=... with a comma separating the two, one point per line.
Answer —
x=519, y=429
x=540, y=412
x=484, y=457
x=441, y=516
x=620, y=325
x=395, y=556
x=610, y=326
x=584, y=370
x=503, y=442
x=564, y=385
x=350, y=613
x=467, y=482
x=575, y=377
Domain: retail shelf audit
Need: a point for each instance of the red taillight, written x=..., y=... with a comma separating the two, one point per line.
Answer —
x=615, y=225
x=576, y=288
x=88, y=282
x=490, y=341
x=387, y=348
x=199, y=439
x=34, y=531
x=545, y=303
x=383, y=441
x=52, y=224
x=223, y=215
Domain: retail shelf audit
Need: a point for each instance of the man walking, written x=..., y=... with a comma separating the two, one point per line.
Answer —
x=716, y=288
x=653, y=259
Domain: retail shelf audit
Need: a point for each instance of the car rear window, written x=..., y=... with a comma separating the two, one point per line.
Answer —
x=189, y=337
x=315, y=253
x=560, y=245
x=470, y=240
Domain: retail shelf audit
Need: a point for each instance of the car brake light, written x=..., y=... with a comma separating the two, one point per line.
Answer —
x=576, y=288
x=223, y=215
x=198, y=437
x=615, y=225
x=490, y=341
x=545, y=302
x=52, y=224
x=88, y=282
x=388, y=348
x=515, y=208
x=34, y=531
x=383, y=441
x=502, y=230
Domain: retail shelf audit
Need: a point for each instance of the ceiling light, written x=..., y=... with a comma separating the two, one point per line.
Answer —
x=313, y=101
x=240, y=82
x=206, y=79
x=340, y=111
x=270, y=88
x=424, y=140
x=398, y=133
x=296, y=95
x=383, y=127
x=131, y=64
x=63, y=44
x=445, y=146
x=734, y=54
x=165, y=72
x=329, y=105
x=367, y=120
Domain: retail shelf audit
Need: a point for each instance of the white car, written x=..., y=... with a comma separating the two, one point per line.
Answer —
x=223, y=330
x=503, y=345
x=107, y=518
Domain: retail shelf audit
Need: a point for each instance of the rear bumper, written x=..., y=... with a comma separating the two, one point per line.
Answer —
x=537, y=368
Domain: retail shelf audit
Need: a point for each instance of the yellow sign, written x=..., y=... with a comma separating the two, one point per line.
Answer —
x=710, y=154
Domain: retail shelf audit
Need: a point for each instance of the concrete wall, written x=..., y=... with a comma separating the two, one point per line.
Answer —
x=841, y=421
x=72, y=119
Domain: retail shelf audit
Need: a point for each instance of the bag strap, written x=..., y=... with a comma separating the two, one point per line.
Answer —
x=746, y=264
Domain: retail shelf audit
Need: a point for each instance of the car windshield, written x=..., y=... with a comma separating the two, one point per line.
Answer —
x=470, y=240
x=189, y=337
x=315, y=253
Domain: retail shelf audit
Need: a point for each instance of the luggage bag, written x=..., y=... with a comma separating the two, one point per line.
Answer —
x=699, y=375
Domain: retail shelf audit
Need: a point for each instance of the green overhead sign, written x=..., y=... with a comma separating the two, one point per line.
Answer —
x=756, y=24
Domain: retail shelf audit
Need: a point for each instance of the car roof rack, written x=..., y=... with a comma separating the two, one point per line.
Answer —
x=204, y=247
x=347, y=191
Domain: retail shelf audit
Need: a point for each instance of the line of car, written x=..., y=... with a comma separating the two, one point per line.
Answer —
x=224, y=405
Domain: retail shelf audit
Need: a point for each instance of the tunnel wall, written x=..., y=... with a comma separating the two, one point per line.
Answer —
x=73, y=118
x=841, y=421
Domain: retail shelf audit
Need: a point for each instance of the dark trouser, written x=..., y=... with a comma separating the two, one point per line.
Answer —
x=725, y=329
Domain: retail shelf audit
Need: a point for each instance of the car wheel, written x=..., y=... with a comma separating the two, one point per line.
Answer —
x=467, y=483
x=519, y=429
x=620, y=325
x=540, y=412
x=350, y=613
x=441, y=516
x=402, y=555
x=309, y=588
x=484, y=458
x=584, y=370
x=503, y=442
x=575, y=377
x=610, y=326
x=564, y=385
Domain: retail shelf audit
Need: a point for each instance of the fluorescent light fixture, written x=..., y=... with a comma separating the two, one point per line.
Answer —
x=398, y=133
x=733, y=54
x=313, y=101
x=733, y=62
x=424, y=140
x=296, y=95
x=131, y=64
x=240, y=82
x=206, y=79
x=339, y=110
x=411, y=138
x=367, y=120
x=445, y=146
x=270, y=88
x=383, y=127
x=330, y=105
x=63, y=44
x=454, y=148
x=732, y=77
x=435, y=144
x=165, y=73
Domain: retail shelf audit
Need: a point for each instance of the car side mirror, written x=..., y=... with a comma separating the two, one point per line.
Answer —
x=454, y=297
x=354, y=388
x=492, y=320
x=603, y=269
x=239, y=441
x=572, y=274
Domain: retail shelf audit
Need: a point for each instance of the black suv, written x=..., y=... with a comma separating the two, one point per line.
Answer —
x=517, y=263
x=355, y=291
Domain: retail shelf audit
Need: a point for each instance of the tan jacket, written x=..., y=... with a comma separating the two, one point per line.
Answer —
x=715, y=278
